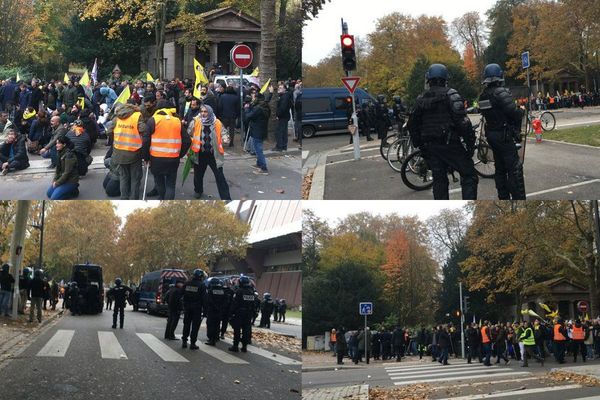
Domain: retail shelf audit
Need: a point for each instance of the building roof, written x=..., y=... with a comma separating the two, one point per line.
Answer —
x=224, y=10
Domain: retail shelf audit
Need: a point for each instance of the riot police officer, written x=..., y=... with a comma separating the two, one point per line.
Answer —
x=216, y=300
x=175, y=303
x=382, y=120
x=257, y=303
x=437, y=124
x=193, y=301
x=225, y=310
x=266, y=309
x=74, y=299
x=364, y=120
x=242, y=309
x=398, y=109
x=120, y=293
x=503, y=131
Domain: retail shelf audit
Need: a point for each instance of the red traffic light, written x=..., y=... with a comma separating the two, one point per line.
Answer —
x=347, y=41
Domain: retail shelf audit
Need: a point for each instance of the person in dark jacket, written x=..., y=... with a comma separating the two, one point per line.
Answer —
x=175, y=303
x=501, y=345
x=266, y=309
x=444, y=344
x=216, y=300
x=37, y=295
x=229, y=110
x=82, y=146
x=241, y=311
x=473, y=342
x=49, y=150
x=120, y=293
x=284, y=106
x=24, y=281
x=341, y=346
x=36, y=96
x=6, y=288
x=422, y=341
x=65, y=184
x=256, y=115
x=39, y=132
x=397, y=343
x=13, y=153
x=282, y=310
x=193, y=303
x=74, y=305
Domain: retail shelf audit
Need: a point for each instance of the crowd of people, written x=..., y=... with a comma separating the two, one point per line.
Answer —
x=154, y=127
x=485, y=342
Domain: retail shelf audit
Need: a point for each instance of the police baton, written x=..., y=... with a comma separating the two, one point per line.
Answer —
x=146, y=180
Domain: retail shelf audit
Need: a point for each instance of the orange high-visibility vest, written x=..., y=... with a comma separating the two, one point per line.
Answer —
x=558, y=337
x=127, y=136
x=333, y=336
x=484, y=336
x=166, y=139
x=578, y=333
x=197, y=138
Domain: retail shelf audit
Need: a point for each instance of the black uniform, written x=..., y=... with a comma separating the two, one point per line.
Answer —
x=436, y=125
x=119, y=294
x=266, y=309
x=242, y=310
x=382, y=119
x=473, y=341
x=225, y=311
x=398, y=110
x=216, y=301
x=397, y=342
x=503, y=130
x=193, y=301
x=74, y=300
x=175, y=303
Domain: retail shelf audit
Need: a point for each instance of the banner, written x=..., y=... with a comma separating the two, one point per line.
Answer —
x=265, y=87
x=94, y=73
x=255, y=73
x=124, y=96
x=149, y=77
x=85, y=79
x=199, y=71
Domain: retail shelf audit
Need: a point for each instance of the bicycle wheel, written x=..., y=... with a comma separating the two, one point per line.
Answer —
x=386, y=143
x=397, y=152
x=484, y=160
x=416, y=173
x=548, y=121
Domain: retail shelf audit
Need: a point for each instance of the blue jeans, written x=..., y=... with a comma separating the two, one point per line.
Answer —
x=62, y=192
x=487, y=352
x=51, y=154
x=165, y=184
x=5, y=302
x=444, y=357
x=282, y=134
x=261, y=161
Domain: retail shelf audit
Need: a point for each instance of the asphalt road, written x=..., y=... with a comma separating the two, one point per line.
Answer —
x=283, y=182
x=457, y=380
x=82, y=357
x=553, y=170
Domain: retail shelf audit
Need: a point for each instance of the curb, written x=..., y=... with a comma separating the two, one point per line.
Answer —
x=331, y=368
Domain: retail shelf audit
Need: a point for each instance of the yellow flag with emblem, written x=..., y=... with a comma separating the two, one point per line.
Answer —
x=255, y=73
x=124, y=96
x=85, y=79
x=149, y=77
x=199, y=71
x=66, y=78
x=265, y=87
x=81, y=102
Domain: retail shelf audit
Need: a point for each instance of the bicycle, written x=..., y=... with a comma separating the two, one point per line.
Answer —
x=546, y=117
x=483, y=159
x=392, y=138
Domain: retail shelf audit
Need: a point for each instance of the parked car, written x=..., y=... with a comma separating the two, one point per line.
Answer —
x=150, y=294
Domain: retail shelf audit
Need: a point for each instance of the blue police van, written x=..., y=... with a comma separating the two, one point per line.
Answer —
x=150, y=294
x=326, y=109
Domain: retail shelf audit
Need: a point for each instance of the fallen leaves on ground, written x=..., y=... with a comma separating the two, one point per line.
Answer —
x=275, y=341
x=306, y=184
x=571, y=377
x=412, y=392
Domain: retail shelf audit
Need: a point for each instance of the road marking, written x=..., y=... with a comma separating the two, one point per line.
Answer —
x=489, y=382
x=269, y=354
x=431, y=366
x=517, y=392
x=563, y=187
x=305, y=154
x=221, y=355
x=464, y=374
x=161, y=349
x=458, y=378
x=59, y=343
x=578, y=123
x=463, y=368
x=352, y=160
x=110, y=347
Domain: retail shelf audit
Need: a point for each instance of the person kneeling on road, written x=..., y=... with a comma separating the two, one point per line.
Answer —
x=13, y=152
x=65, y=184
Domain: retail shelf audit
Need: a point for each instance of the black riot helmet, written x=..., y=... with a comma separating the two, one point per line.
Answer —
x=437, y=74
x=381, y=98
x=492, y=73
x=215, y=283
x=118, y=281
x=397, y=99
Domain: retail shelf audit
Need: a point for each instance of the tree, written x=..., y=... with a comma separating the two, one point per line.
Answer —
x=471, y=64
x=315, y=232
x=310, y=8
x=447, y=231
x=470, y=32
x=268, y=39
x=348, y=247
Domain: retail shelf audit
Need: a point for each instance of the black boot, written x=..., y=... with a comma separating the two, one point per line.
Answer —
x=184, y=344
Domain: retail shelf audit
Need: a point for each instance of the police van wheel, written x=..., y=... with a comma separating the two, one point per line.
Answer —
x=308, y=131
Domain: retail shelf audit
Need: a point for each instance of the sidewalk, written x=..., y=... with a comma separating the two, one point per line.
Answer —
x=358, y=392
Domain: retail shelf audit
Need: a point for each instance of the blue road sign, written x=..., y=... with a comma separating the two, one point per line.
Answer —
x=525, y=60
x=366, y=308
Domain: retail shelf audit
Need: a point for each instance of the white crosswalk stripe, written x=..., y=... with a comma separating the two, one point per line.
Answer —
x=221, y=355
x=110, y=347
x=160, y=348
x=58, y=345
x=411, y=374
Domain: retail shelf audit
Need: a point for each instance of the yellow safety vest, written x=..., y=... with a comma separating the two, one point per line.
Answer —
x=127, y=135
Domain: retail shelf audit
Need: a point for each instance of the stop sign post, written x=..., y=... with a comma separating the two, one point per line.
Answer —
x=242, y=56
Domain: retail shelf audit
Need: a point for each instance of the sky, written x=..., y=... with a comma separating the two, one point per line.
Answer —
x=332, y=210
x=322, y=34
x=126, y=207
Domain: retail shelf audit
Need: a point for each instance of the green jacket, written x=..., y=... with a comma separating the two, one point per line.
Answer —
x=66, y=168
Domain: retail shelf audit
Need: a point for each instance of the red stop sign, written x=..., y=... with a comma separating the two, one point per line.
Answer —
x=582, y=306
x=242, y=56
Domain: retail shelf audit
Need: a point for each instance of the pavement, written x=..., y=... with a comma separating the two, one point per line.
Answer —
x=424, y=379
x=282, y=183
x=553, y=170
x=81, y=357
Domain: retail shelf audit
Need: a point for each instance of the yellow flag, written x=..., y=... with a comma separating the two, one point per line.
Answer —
x=81, y=102
x=265, y=87
x=149, y=77
x=545, y=307
x=124, y=96
x=18, y=77
x=199, y=71
x=255, y=73
x=85, y=79
x=66, y=78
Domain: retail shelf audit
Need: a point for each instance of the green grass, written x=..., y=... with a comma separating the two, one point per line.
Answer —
x=589, y=135
x=294, y=314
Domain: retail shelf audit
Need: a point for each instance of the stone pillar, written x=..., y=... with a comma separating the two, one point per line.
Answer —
x=214, y=53
x=189, y=52
x=572, y=309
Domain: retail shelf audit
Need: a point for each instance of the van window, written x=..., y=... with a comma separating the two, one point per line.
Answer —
x=341, y=103
x=318, y=105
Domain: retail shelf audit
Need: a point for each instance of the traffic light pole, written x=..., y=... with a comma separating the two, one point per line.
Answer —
x=356, y=134
x=462, y=321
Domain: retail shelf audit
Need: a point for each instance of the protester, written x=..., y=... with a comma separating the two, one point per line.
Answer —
x=13, y=153
x=65, y=184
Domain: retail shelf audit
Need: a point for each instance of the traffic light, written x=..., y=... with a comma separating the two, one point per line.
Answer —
x=348, y=53
x=457, y=313
x=466, y=304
